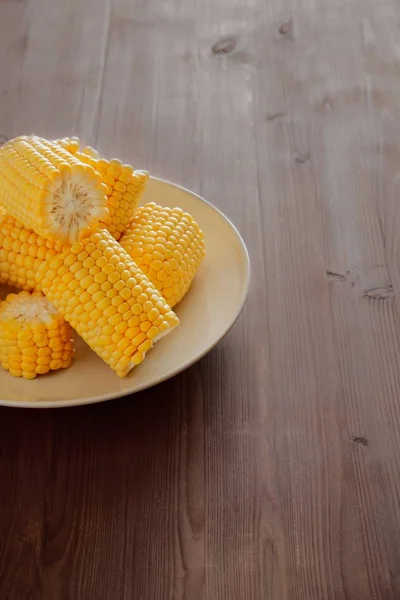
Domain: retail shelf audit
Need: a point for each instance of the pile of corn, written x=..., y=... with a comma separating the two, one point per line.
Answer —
x=87, y=257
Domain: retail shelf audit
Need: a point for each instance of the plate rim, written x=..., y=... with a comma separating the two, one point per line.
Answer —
x=183, y=366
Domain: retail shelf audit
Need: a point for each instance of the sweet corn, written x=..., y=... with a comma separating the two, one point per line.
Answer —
x=124, y=190
x=168, y=246
x=124, y=185
x=49, y=190
x=34, y=338
x=108, y=300
x=21, y=253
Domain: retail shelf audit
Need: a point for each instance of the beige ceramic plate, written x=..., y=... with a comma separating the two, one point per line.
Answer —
x=207, y=312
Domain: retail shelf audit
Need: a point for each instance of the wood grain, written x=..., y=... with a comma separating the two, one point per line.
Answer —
x=270, y=470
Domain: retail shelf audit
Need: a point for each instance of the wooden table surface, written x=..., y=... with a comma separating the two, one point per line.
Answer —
x=270, y=470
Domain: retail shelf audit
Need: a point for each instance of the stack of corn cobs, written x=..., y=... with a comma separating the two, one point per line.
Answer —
x=86, y=257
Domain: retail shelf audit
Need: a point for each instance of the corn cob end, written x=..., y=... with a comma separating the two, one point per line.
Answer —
x=49, y=190
x=34, y=338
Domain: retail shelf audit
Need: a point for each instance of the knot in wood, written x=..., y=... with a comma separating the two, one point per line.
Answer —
x=286, y=28
x=225, y=45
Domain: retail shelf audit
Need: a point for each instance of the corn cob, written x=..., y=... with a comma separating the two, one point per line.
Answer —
x=21, y=253
x=124, y=190
x=34, y=338
x=124, y=185
x=107, y=299
x=49, y=190
x=168, y=246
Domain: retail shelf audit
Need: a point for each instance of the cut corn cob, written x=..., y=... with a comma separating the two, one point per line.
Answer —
x=21, y=253
x=49, y=190
x=34, y=338
x=124, y=185
x=124, y=190
x=104, y=296
x=168, y=246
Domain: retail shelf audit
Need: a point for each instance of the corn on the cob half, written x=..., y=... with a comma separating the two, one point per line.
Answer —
x=168, y=246
x=34, y=338
x=21, y=253
x=124, y=185
x=49, y=190
x=104, y=296
x=124, y=190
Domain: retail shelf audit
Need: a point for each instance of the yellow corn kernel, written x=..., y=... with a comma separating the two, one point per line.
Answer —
x=32, y=335
x=49, y=190
x=71, y=144
x=106, y=336
x=124, y=185
x=168, y=246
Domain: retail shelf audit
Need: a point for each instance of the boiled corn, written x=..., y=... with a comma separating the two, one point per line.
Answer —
x=49, y=190
x=34, y=338
x=168, y=246
x=104, y=296
x=124, y=185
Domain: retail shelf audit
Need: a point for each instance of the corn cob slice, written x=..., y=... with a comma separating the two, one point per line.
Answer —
x=124, y=190
x=21, y=253
x=107, y=299
x=49, y=190
x=168, y=246
x=34, y=338
x=124, y=185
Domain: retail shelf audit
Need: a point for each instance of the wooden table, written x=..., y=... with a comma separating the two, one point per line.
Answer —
x=270, y=470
